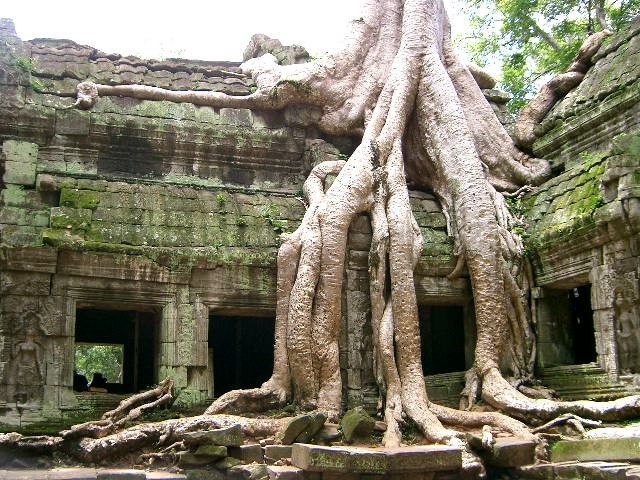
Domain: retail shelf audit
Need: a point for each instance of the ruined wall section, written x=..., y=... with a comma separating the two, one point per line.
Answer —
x=157, y=207
x=605, y=104
x=584, y=223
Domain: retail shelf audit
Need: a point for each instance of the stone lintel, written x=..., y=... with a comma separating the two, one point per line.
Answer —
x=29, y=259
x=419, y=458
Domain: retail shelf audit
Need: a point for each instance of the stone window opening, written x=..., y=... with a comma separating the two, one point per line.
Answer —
x=135, y=331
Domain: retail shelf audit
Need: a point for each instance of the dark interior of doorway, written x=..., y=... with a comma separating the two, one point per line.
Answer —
x=442, y=338
x=135, y=331
x=581, y=326
x=242, y=351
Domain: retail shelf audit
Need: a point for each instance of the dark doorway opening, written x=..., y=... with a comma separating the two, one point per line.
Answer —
x=135, y=331
x=442, y=338
x=242, y=351
x=581, y=325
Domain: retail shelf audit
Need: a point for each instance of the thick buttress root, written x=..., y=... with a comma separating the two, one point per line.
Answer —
x=421, y=116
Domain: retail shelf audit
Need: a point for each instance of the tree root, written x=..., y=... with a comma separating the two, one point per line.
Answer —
x=128, y=410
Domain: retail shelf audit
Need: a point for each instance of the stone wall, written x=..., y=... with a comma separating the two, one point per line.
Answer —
x=168, y=209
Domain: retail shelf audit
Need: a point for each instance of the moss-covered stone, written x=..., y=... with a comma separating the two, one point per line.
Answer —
x=356, y=423
x=77, y=198
x=74, y=219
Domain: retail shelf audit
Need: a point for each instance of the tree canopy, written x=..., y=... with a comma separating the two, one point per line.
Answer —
x=530, y=39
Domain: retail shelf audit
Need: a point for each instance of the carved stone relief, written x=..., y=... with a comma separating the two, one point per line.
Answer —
x=25, y=372
x=627, y=329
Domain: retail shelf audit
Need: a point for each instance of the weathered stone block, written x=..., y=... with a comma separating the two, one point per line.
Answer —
x=17, y=151
x=506, y=452
x=188, y=459
x=72, y=122
x=424, y=458
x=213, y=452
x=19, y=173
x=247, y=453
x=13, y=196
x=273, y=453
x=252, y=471
x=117, y=474
x=596, y=449
x=371, y=460
x=356, y=423
x=77, y=198
x=228, y=437
x=285, y=472
x=227, y=463
x=70, y=218
x=292, y=429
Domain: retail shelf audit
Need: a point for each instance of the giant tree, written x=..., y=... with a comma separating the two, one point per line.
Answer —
x=421, y=116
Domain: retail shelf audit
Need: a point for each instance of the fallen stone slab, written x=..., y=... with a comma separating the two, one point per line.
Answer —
x=420, y=458
x=189, y=460
x=71, y=474
x=357, y=423
x=24, y=475
x=292, y=429
x=285, y=472
x=248, y=453
x=201, y=474
x=273, y=453
x=165, y=476
x=600, y=449
x=120, y=474
x=576, y=470
x=312, y=429
x=213, y=452
x=505, y=452
x=228, y=437
x=253, y=471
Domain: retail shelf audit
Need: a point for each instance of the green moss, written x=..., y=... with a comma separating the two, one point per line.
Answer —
x=76, y=198
x=13, y=195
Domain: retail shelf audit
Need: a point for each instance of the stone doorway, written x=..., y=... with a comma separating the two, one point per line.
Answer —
x=566, y=330
x=135, y=331
x=241, y=350
x=442, y=337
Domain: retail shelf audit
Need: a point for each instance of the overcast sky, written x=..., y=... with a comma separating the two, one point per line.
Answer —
x=204, y=30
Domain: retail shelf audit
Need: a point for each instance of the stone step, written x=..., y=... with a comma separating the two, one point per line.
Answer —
x=588, y=381
x=419, y=458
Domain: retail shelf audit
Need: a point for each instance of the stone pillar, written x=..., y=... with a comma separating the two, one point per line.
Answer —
x=603, y=280
x=356, y=350
x=184, y=348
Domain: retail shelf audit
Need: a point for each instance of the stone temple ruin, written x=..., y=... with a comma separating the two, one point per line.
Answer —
x=155, y=225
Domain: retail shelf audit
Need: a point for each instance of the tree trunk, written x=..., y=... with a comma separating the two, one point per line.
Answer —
x=421, y=115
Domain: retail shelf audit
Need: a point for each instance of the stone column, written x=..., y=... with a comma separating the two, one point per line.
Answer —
x=602, y=280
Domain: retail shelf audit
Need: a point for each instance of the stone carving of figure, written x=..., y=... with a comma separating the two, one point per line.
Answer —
x=627, y=334
x=27, y=370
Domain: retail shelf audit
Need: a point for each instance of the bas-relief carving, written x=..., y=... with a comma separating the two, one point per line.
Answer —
x=627, y=330
x=25, y=372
